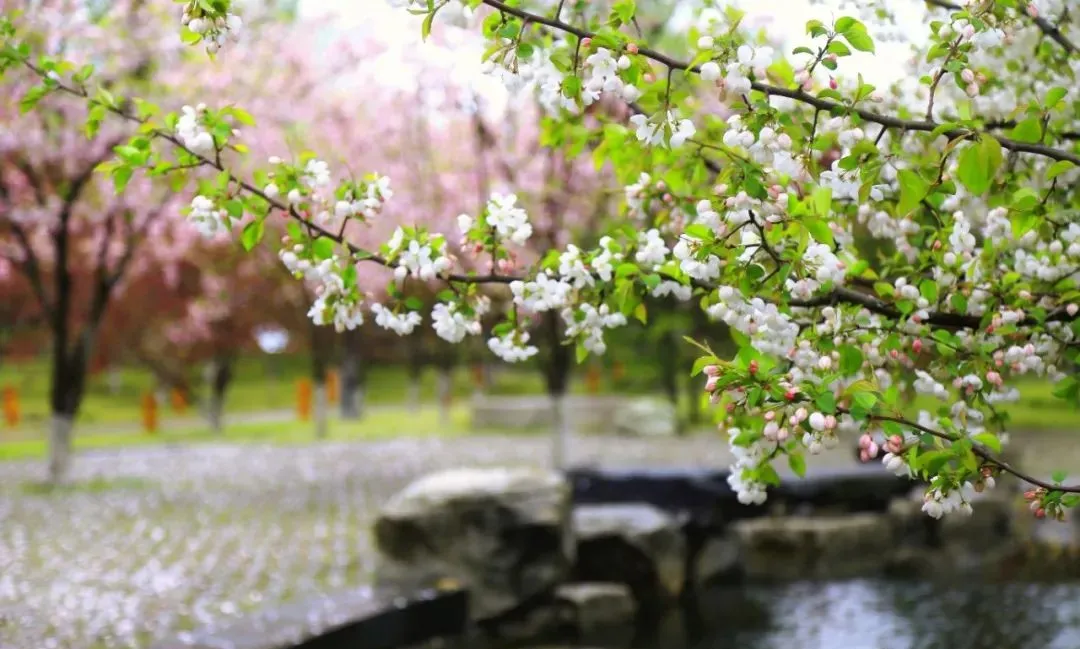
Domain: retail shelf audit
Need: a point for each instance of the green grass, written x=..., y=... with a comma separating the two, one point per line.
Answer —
x=382, y=423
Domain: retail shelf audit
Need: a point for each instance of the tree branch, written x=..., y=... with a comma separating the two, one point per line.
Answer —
x=799, y=95
x=1046, y=26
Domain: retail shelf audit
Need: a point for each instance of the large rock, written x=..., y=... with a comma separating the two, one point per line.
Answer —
x=800, y=547
x=601, y=611
x=647, y=418
x=498, y=532
x=636, y=545
x=718, y=558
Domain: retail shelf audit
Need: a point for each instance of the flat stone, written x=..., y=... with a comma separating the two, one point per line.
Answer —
x=718, y=557
x=361, y=617
x=647, y=418
x=638, y=545
x=599, y=606
x=498, y=532
x=799, y=547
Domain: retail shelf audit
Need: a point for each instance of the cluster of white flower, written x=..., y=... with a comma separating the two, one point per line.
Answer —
x=513, y=347
x=666, y=287
x=603, y=69
x=748, y=60
x=572, y=268
x=654, y=130
x=375, y=195
x=771, y=331
x=452, y=325
x=686, y=252
x=334, y=303
x=747, y=458
x=190, y=132
x=402, y=324
x=926, y=384
x=545, y=293
x=213, y=31
x=589, y=322
x=767, y=147
x=207, y=219
x=825, y=266
x=510, y=222
x=652, y=251
x=316, y=174
x=425, y=260
x=937, y=503
x=635, y=196
x=845, y=184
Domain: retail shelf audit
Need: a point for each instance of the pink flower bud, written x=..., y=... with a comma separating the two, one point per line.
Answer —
x=830, y=422
x=753, y=367
x=865, y=440
x=968, y=75
x=712, y=370
x=710, y=385
x=586, y=42
x=782, y=435
x=801, y=415
x=873, y=449
x=972, y=89
x=916, y=346
x=632, y=48
x=832, y=83
x=790, y=395
x=1032, y=10
x=771, y=415
x=831, y=57
x=650, y=77
x=1071, y=309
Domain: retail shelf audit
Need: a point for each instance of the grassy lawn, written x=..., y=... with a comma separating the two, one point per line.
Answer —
x=380, y=423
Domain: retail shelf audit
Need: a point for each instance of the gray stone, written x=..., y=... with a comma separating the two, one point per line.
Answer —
x=599, y=607
x=647, y=418
x=587, y=413
x=799, y=547
x=637, y=545
x=498, y=532
x=719, y=556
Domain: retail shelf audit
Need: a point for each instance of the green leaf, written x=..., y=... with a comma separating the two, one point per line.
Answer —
x=323, y=248
x=859, y=38
x=865, y=400
x=838, y=48
x=912, y=191
x=844, y=23
x=1029, y=130
x=235, y=208
x=978, y=165
x=989, y=440
x=797, y=463
x=851, y=359
x=580, y=353
x=1053, y=96
x=121, y=176
x=1058, y=168
x=822, y=201
x=1058, y=476
x=252, y=234
x=819, y=229
x=928, y=288
x=701, y=363
x=826, y=402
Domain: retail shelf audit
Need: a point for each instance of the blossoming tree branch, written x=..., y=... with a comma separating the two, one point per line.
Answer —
x=862, y=243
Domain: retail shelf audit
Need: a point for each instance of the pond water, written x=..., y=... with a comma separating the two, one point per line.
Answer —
x=876, y=614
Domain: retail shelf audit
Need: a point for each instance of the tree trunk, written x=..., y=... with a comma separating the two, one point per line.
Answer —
x=321, y=349
x=321, y=410
x=557, y=377
x=220, y=377
x=61, y=427
x=352, y=375
x=416, y=370
x=444, y=382
x=669, y=372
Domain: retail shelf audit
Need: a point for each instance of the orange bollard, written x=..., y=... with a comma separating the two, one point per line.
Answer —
x=179, y=402
x=11, y=406
x=303, y=399
x=333, y=387
x=149, y=413
x=618, y=371
x=592, y=379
